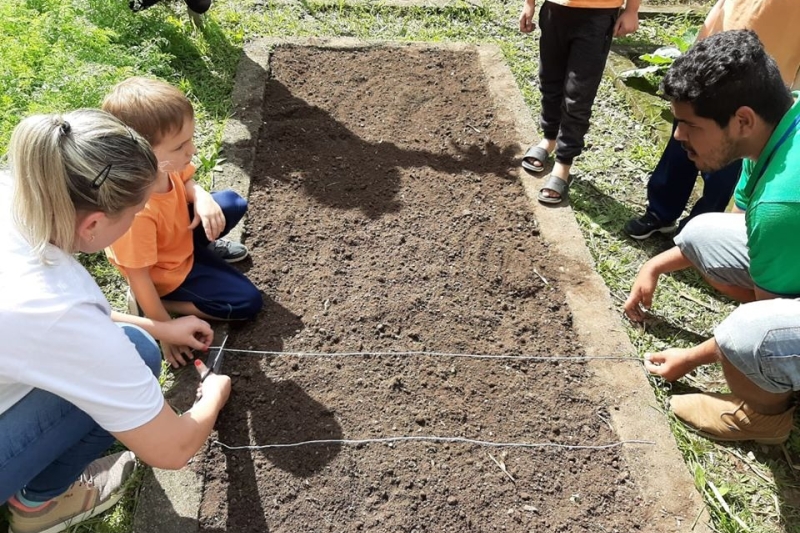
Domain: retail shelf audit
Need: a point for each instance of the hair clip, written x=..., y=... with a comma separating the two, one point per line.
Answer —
x=101, y=177
x=65, y=128
x=133, y=137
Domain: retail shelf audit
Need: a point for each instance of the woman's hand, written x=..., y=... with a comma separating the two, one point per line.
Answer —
x=213, y=386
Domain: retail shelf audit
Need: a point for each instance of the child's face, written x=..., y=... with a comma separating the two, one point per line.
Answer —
x=176, y=149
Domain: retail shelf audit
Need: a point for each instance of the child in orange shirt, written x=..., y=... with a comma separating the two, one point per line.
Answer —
x=173, y=256
x=573, y=48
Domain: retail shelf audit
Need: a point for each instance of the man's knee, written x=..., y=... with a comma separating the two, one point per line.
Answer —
x=762, y=341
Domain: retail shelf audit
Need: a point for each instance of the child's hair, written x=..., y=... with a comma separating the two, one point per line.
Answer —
x=151, y=107
x=83, y=161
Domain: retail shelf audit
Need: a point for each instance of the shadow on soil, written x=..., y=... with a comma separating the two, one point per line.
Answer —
x=293, y=417
x=351, y=172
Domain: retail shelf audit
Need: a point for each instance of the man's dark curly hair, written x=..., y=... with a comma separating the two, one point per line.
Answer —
x=724, y=72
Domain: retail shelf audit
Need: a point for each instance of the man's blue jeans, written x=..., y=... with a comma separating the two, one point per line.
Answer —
x=673, y=179
x=46, y=442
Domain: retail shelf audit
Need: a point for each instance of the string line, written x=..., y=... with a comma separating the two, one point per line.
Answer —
x=463, y=440
x=431, y=438
x=443, y=354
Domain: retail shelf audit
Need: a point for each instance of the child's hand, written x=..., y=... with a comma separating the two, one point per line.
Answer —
x=627, y=23
x=176, y=355
x=193, y=332
x=526, y=23
x=207, y=211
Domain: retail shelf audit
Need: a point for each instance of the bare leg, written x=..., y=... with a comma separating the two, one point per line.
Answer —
x=560, y=171
x=759, y=400
x=547, y=144
x=740, y=294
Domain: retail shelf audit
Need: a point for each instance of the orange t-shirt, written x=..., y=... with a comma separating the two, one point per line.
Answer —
x=775, y=22
x=596, y=4
x=160, y=237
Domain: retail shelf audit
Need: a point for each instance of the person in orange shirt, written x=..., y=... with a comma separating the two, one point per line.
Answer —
x=173, y=255
x=573, y=47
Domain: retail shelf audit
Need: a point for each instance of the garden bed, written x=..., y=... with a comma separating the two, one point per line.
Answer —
x=385, y=217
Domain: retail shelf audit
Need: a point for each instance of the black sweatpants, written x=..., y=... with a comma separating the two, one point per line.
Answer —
x=573, y=49
x=198, y=6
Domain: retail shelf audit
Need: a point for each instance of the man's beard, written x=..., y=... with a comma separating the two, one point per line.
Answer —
x=727, y=153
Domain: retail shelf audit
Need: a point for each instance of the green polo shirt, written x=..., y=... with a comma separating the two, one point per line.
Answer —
x=769, y=192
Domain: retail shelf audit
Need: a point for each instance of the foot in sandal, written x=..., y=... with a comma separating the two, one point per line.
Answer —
x=536, y=157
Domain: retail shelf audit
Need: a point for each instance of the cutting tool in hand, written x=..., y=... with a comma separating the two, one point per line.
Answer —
x=214, y=362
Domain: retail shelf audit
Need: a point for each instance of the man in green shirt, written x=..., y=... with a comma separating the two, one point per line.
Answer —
x=730, y=102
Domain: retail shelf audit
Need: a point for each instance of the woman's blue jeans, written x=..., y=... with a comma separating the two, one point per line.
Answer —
x=46, y=442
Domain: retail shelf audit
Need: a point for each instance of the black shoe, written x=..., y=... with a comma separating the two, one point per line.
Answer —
x=138, y=5
x=198, y=6
x=644, y=226
x=228, y=251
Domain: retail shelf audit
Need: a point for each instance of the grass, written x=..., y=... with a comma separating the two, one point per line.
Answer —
x=57, y=56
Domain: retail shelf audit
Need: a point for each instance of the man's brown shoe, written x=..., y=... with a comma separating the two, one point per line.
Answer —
x=724, y=417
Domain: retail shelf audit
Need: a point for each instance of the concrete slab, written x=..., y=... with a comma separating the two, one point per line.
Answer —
x=170, y=503
x=169, y=500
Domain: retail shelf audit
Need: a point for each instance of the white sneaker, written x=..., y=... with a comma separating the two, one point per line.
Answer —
x=133, y=307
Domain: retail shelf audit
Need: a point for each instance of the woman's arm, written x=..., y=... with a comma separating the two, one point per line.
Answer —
x=169, y=440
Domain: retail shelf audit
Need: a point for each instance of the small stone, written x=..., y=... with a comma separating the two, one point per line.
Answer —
x=452, y=500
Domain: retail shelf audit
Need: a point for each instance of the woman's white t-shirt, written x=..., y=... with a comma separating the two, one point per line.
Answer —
x=58, y=335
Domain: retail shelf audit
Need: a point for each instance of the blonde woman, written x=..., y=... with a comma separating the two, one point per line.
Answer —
x=74, y=375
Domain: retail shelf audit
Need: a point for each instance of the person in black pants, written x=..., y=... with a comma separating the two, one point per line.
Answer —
x=573, y=48
x=671, y=185
x=196, y=7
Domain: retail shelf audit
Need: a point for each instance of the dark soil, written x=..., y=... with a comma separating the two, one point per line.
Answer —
x=385, y=216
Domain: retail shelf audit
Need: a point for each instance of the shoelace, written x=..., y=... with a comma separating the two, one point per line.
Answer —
x=732, y=414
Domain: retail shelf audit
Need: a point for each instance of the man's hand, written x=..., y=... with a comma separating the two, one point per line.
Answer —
x=526, y=23
x=641, y=296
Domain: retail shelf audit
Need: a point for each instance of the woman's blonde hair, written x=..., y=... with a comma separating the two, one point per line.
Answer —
x=79, y=162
